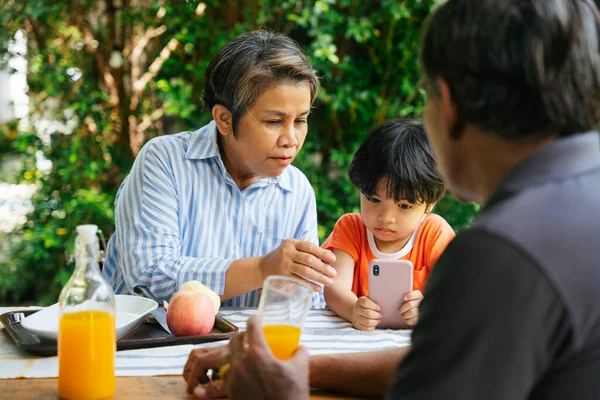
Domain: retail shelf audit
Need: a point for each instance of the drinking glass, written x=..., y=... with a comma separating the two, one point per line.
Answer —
x=283, y=307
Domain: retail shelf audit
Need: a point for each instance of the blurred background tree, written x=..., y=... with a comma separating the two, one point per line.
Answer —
x=106, y=76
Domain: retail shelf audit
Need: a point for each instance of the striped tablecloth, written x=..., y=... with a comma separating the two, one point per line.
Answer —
x=324, y=333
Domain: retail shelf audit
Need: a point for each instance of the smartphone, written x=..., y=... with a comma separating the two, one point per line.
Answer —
x=389, y=281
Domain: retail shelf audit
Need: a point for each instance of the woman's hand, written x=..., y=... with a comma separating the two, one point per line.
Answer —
x=300, y=259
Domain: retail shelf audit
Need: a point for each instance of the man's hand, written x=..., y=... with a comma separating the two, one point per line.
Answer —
x=410, y=309
x=365, y=314
x=254, y=372
x=300, y=259
x=196, y=368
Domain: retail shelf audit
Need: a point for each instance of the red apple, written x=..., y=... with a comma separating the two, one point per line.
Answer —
x=197, y=286
x=190, y=314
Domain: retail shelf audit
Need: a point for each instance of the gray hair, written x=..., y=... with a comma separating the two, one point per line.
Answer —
x=251, y=64
x=519, y=69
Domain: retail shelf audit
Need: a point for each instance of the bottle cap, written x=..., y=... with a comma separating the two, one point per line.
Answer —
x=87, y=233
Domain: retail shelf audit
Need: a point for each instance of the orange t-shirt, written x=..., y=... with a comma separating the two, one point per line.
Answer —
x=423, y=248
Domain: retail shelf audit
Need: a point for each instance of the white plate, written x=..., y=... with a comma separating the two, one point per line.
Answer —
x=130, y=313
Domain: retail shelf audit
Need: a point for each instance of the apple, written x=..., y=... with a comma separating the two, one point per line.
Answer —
x=190, y=314
x=198, y=287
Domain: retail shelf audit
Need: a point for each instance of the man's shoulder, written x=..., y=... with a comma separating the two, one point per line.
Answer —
x=555, y=225
x=543, y=214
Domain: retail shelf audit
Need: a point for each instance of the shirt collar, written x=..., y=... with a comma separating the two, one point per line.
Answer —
x=557, y=160
x=203, y=145
x=283, y=181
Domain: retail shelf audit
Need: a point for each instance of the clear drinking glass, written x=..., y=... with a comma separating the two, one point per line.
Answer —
x=283, y=307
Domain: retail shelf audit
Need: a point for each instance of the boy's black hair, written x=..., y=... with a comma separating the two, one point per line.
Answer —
x=398, y=150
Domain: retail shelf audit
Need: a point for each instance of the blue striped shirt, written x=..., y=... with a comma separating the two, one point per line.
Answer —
x=180, y=216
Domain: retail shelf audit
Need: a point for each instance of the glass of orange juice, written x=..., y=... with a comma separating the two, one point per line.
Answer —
x=283, y=307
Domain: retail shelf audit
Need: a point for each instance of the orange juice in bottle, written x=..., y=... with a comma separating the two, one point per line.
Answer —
x=86, y=334
x=283, y=340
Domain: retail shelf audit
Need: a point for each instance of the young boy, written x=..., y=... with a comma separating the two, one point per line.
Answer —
x=395, y=171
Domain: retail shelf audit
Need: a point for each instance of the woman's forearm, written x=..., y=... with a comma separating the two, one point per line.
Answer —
x=243, y=276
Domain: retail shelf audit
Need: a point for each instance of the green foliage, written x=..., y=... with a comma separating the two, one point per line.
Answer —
x=365, y=52
x=8, y=135
x=458, y=214
x=45, y=237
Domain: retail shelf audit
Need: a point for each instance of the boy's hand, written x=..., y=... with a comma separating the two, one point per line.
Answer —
x=365, y=314
x=410, y=309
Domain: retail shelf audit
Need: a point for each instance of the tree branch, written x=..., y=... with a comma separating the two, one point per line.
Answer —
x=137, y=130
x=103, y=67
x=15, y=17
x=91, y=125
x=140, y=84
x=125, y=26
x=111, y=12
x=138, y=50
x=148, y=120
x=39, y=38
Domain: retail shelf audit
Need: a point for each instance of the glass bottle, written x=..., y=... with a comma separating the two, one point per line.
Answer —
x=86, y=334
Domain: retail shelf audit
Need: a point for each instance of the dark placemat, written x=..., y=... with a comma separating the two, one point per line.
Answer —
x=146, y=335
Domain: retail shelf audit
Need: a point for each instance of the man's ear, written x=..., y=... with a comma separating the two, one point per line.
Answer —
x=223, y=118
x=449, y=109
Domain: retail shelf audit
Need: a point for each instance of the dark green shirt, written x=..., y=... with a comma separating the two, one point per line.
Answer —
x=512, y=308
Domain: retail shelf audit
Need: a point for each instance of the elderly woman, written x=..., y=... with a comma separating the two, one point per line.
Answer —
x=223, y=205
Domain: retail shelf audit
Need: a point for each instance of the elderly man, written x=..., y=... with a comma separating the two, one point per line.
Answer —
x=512, y=309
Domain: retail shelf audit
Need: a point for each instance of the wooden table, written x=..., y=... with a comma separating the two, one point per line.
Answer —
x=128, y=388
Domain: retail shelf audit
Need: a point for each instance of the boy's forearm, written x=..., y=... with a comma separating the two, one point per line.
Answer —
x=360, y=374
x=341, y=304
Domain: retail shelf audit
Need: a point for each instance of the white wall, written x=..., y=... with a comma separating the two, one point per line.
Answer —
x=14, y=102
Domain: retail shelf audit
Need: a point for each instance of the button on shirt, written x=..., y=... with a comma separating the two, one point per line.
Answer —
x=180, y=216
